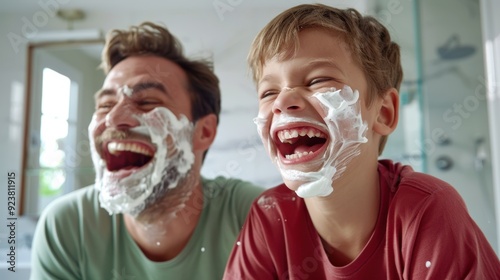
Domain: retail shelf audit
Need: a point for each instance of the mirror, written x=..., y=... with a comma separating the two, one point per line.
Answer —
x=62, y=77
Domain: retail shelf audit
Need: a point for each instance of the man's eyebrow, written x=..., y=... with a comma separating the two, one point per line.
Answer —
x=149, y=85
x=135, y=89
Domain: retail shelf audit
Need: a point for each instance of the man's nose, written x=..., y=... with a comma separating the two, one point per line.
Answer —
x=122, y=115
x=288, y=100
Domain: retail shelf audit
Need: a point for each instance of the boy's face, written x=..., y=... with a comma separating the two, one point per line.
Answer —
x=309, y=138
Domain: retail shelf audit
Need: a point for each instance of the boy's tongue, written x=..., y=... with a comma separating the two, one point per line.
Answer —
x=306, y=148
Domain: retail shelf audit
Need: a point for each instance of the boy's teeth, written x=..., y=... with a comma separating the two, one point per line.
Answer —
x=285, y=136
x=298, y=155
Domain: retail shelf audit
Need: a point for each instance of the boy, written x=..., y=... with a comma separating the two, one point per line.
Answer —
x=328, y=82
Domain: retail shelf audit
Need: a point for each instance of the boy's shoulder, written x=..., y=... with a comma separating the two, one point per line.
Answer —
x=411, y=190
x=279, y=198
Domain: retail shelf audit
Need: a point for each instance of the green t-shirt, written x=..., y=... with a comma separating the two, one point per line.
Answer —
x=77, y=239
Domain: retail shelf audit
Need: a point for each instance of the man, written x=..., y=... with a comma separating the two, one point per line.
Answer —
x=150, y=214
x=327, y=82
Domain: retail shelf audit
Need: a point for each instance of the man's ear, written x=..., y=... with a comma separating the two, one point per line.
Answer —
x=388, y=113
x=204, y=132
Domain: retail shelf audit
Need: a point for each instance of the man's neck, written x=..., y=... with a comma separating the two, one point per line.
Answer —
x=163, y=230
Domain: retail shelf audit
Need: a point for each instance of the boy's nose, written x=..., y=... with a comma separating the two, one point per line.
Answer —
x=288, y=100
x=122, y=115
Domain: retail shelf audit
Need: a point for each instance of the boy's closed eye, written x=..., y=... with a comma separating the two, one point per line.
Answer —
x=268, y=93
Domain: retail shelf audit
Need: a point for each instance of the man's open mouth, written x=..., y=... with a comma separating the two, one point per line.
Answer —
x=299, y=142
x=126, y=155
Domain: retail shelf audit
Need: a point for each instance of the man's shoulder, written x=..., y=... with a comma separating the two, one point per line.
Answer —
x=231, y=187
x=77, y=202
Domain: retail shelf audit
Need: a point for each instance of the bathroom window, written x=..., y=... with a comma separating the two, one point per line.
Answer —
x=56, y=89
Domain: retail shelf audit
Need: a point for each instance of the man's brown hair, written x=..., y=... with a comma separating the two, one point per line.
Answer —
x=152, y=39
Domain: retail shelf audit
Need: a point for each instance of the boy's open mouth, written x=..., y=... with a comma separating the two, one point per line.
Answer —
x=299, y=142
x=126, y=155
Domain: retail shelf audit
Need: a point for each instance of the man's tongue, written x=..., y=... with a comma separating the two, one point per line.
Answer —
x=126, y=160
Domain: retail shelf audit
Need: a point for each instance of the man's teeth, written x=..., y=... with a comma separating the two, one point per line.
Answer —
x=298, y=155
x=114, y=148
x=285, y=136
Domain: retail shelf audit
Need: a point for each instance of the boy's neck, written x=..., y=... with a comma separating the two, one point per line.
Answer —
x=345, y=219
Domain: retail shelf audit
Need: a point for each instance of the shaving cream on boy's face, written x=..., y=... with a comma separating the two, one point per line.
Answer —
x=139, y=166
x=311, y=153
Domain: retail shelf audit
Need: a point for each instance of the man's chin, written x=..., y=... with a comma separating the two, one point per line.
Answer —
x=123, y=195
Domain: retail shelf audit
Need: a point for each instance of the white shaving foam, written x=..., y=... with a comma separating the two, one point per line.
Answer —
x=126, y=90
x=171, y=162
x=347, y=129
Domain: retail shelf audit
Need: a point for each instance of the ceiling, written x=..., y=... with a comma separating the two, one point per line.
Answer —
x=129, y=9
x=168, y=5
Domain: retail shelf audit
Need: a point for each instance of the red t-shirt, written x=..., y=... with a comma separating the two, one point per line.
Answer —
x=423, y=231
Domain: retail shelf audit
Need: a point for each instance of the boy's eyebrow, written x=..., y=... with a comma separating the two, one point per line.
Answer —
x=309, y=65
x=102, y=92
x=323, y=62
x=135, y=89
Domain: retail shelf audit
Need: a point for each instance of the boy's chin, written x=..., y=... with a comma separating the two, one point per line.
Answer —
x=293, y=185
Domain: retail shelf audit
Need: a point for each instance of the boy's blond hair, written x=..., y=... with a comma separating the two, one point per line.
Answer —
x=368, y=41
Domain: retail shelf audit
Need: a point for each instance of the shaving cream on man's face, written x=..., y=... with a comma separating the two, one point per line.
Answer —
x=136, y=167
x=296, y=153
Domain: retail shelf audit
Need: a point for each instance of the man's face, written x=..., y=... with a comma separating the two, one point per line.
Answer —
x=141, y=133
x=310, y=129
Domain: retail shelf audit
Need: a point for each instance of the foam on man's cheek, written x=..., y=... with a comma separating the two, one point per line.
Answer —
x=170, y=164
x=162, y=124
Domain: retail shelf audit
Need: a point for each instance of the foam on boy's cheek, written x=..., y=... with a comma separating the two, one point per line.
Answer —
x=347, y=130
x=172, y=161
x=342, y=115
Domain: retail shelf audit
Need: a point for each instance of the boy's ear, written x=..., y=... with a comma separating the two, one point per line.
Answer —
x=205, y=130
x=388, y=114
